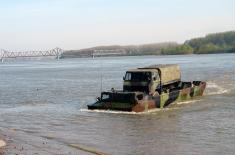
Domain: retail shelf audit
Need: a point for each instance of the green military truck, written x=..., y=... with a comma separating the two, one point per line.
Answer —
x=150, y=87
x=152, y=79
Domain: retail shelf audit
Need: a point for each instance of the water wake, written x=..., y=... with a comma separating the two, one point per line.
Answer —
x=215, y=89
x=129, y=113
x=187, y=102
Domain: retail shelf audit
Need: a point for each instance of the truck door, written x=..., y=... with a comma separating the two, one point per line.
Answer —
x=155, y=82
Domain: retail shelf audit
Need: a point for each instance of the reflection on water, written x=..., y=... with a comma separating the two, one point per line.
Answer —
x=43, y=108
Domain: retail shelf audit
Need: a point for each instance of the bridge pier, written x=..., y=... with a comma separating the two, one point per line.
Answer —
x=58, y=57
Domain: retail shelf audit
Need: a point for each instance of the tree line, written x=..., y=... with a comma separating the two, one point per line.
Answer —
x=213, y=43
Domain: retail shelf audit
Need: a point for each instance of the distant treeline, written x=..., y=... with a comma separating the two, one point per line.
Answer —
x=212, y=43
x=146, y=49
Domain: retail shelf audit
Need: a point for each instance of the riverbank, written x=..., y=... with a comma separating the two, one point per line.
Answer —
x=2, y=146
x=18, y=143
x=210, y=44
x=127, y=55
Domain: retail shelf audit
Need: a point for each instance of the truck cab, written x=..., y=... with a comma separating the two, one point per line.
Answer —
x=152, y=79
x=144, y=80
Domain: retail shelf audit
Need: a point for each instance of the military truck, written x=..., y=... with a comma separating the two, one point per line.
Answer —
x=152, y=79
x=155, y=86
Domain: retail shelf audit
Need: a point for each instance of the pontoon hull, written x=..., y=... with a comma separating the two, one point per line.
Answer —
x=154, y=101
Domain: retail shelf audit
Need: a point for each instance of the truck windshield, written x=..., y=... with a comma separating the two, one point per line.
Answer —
x=118, y=97
x=138, y=76
x=105, y=97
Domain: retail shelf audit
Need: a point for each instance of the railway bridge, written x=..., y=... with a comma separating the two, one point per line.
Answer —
x=56, y=52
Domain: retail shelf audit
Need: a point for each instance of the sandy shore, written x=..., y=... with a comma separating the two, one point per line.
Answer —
x=2, y=144
x=14, y=143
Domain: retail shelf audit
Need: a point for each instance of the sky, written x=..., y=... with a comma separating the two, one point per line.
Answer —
x=75, y=24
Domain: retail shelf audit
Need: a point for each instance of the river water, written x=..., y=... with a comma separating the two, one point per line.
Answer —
x=43, y=108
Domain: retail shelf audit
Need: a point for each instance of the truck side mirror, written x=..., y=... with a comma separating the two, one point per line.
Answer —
x=98, y=99
x=123, y=78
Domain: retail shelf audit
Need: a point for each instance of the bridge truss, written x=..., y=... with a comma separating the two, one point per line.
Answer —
x=57, y=52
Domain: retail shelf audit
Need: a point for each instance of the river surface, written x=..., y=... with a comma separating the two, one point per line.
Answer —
x=43, y=108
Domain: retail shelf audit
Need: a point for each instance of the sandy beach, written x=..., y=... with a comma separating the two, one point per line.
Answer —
x=2, y=145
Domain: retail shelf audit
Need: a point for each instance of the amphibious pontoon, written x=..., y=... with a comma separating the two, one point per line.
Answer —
x=146, y=88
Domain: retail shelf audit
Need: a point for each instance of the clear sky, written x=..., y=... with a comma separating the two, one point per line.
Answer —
x=75, y=24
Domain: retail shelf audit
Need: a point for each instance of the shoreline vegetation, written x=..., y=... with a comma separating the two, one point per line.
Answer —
x=223, y=42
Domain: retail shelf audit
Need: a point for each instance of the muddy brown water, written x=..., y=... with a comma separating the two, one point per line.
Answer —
x=43, y=108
